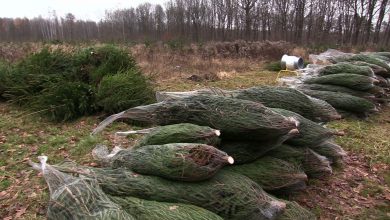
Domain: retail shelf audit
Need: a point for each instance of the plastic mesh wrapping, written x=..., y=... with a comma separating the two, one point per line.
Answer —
x=180, y=133
x=77, y=197
x=230, y=195
x=352, y=81
x=271, y=173
x=311, y=162
x=331, y=150
x=295, y=211
x=184, y=162
x=346, y=68
x=237, y=119
x=328, y=57
x=152, y=210
x=343, y=101
x=272, y=97
x=310, y=133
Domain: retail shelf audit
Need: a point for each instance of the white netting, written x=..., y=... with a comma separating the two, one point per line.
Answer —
x=76, y=197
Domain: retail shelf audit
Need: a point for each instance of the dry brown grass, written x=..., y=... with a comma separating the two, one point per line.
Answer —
x=163, y=61
x=206, y=63
x=301, y=52
x=13, y=52
x=163, y=66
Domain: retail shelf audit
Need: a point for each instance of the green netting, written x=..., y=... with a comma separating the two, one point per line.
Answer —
x=294, y=211
x=270, y=173
x=230, y=195
x=341, y=89
x=346, y=68
x=378, y=70
x=248, y=151
x=352, y=81
x=185, y=162
x=237, y=119
x=180, y=133
x=310, y=133
x=331, y=150
x=364, y=58
x=312, y=163
x=151, y=210
x=77, y=197
x=343, y=101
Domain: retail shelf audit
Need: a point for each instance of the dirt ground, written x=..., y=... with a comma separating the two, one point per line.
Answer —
x=354, y=191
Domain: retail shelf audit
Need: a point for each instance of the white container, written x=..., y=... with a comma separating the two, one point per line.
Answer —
x=291, y=62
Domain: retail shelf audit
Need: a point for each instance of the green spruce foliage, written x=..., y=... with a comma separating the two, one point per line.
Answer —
x=237, y=119
x=378, y=70
x=332, y=88
x=295, y=211
x=64, y=85
x=346, y=68
x=228, y=194
x=312, y=163
x=5, y=77
x=365, y=58
x=64, y=101
x=124, y=90
x=270, y=173
x=330, y=150
x=352, y=81
x=286, y=98
x=184, y=162
x=151, y=210
x=344, y=101
x=180, y=133
x=77, y=197
x=310, y=133
x=273, y=97
x=96, y=62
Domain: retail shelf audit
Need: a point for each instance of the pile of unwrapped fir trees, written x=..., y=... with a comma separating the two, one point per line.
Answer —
x=220, y=154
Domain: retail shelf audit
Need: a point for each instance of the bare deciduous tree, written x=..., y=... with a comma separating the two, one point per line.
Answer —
x=300, y=21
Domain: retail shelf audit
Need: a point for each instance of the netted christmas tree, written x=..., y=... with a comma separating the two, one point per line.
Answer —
x=177, y=133
x=271, y=173
x=77, y=197
x=184, y=162
x=228, y=194
x=352, y=81
x=313, y=164
x=237, y=119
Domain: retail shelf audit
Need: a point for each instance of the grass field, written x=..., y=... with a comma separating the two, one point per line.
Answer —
x=359, y=189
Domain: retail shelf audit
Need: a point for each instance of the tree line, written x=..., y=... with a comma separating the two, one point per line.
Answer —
x=341, y=22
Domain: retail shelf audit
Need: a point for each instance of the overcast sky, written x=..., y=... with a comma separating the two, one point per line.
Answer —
x=82, y=9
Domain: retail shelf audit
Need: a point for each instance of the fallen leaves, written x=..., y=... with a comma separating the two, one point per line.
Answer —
x=20, y=212
x=4, y=195
x=342, y=195
x=25, y=194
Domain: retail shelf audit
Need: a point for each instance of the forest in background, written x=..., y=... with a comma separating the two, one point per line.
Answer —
x=326, y=22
